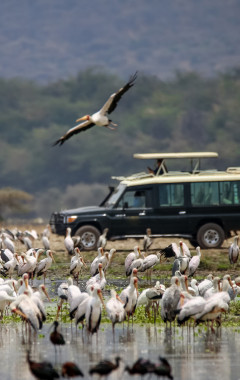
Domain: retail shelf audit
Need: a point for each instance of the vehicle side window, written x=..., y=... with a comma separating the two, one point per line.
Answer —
x=230, y=193
x=204, y=193
x=133, y=199
x=171, y=195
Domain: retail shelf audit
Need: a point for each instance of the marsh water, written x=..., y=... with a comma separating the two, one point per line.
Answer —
x=193, y=354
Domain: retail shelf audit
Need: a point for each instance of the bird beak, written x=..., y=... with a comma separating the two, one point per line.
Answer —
x=231, y=284
x=182, y=300
x=101, y=297
x=16, y=311
x=119, y=299
x=82, y=118
x=26, y=282
x=84, y=263
x=51, y=254
x=14, y=287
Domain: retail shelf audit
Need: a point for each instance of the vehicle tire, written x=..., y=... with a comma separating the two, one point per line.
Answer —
x=89, y=237
x=210, y=235
x=194, y=242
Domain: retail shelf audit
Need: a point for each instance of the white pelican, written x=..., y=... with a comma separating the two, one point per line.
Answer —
x=94, y=310
x=115, y=309
x=99, y=118
x=233, y=251
x=194, y=263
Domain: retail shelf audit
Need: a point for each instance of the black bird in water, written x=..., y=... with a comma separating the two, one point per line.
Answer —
x=70, y=369
x=105, y=367
x=56, y=337
x=163, y=369
x=42, y=370
x=141, y=367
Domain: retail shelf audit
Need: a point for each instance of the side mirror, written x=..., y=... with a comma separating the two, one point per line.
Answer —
x=125, y=205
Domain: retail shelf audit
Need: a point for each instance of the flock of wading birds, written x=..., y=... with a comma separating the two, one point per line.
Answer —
x=202, y=302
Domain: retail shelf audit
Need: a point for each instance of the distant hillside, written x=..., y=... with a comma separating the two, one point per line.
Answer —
x=46, y=40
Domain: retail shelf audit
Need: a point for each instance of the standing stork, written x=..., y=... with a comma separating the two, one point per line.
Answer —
x=76, y=264
x=147, y=241
x=102, y=241
x=149, y=262
x=115, y=309
x=94, y=310
x=99, y=118
x=43, y=266
x=68, y=242
x=233, y=251
x=129, y=296
x=194, y=262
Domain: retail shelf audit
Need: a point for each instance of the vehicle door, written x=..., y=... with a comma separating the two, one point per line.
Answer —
x=170, y=212
x=133, y=212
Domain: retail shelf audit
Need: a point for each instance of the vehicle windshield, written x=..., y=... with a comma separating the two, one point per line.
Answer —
x=115, y=195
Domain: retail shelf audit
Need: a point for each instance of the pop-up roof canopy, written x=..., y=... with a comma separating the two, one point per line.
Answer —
x=190, y=155
x=164, y=156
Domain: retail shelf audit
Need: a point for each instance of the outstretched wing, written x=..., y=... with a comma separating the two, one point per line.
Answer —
x=113, y=100
x=73, y=131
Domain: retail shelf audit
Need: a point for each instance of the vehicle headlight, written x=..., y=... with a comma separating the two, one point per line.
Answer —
x=71, y=219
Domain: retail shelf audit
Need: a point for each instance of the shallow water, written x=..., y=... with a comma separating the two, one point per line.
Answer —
x=197, y=354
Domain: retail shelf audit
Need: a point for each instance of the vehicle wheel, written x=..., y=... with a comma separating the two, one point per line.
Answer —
x=194, y=243
x=89, y=237
x=210, y=235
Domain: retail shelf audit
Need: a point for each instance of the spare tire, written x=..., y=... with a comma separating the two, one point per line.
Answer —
x=210, y=235
x=89, y=237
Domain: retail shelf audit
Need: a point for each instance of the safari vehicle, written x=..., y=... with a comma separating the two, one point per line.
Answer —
x=200, y=205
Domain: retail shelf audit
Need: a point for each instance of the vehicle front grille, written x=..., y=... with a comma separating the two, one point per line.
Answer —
x=56, y=222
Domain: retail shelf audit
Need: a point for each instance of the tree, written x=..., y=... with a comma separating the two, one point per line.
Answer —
x=13, y=200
